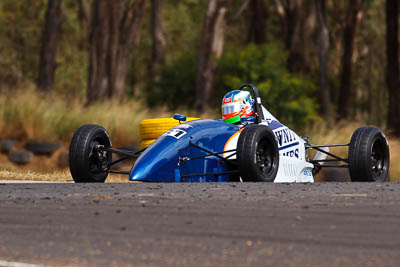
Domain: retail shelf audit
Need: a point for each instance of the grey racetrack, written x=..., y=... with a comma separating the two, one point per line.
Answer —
x=209, y=224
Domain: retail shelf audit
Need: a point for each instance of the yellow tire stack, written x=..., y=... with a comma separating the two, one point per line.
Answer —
x=151, y=129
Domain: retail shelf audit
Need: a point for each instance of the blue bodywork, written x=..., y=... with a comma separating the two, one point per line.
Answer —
x=160, y=162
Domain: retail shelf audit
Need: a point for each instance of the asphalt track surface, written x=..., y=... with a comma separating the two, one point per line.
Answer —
x=227, y=224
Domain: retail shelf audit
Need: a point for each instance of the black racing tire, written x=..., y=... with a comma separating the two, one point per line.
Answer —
x=20, y=157
x=257, y=154
x=368, y=155
x=43, y=148
x=6, y=146
x=85, y=163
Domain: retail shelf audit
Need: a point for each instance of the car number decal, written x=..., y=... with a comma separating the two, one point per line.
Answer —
x=176, y=133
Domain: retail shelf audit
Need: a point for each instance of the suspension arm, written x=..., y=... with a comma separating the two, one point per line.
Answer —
x=329, y=154
x=120, y=151
x=210, y=153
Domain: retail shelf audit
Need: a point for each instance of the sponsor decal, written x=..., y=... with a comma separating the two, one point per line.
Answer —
x=292, y=153
x=273, y=124
x=284, y=136
x=287, y=139
x=176, y=133
x=227, y=100
x=184, y=126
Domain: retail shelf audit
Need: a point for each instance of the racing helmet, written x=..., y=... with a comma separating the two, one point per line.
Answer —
x=237, y=104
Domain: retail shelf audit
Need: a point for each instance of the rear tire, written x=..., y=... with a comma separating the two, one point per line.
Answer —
x=368, y=155
x=88, y=165
x=257, y=154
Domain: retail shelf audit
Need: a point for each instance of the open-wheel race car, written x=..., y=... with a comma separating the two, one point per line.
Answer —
x=256, y=148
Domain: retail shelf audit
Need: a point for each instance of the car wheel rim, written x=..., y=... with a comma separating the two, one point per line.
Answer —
x=264, y=157
x=378, y=160
x=97, y=158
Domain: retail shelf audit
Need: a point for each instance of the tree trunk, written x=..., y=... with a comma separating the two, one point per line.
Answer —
x=353, y=18
x=258, y=22
x=392, y=69
x=159, y=42
x=114, y=27
x=323, y=47
x=211, y=48
x=295, y=60
x=84, y=14
x=298, y=24
x=51, y=36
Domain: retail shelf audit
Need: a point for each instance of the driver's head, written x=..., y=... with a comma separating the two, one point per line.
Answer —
x=237, y=104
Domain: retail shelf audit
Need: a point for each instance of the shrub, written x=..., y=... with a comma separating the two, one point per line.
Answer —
x=28, y=114
x=287, y=96
x=176, y=85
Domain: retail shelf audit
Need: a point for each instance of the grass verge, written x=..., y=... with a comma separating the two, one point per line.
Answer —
x=58, y=176
x=341, y=134
x=31, y=115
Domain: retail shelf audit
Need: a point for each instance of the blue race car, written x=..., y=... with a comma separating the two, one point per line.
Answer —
x=248, y=144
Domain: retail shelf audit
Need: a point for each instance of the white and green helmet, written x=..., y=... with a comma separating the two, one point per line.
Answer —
x=237, y=104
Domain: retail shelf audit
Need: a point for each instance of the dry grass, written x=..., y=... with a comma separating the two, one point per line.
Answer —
x=394, y=147
x=341, y=134
x=27, y=114
x=58, y=176
x=63, y=176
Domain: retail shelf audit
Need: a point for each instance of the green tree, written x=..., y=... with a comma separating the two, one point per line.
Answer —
x=286, y=95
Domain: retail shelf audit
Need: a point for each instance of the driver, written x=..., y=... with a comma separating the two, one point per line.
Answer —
x=237, y=107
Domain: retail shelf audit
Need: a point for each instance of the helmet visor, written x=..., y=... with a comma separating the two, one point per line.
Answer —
x=230, y=108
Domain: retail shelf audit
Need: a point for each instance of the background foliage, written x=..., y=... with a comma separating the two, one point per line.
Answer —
x=289, y=97
x=292, y=97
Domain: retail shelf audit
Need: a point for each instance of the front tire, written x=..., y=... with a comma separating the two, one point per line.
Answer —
x=86, y=163
x=368, y=155
x=257, y=154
